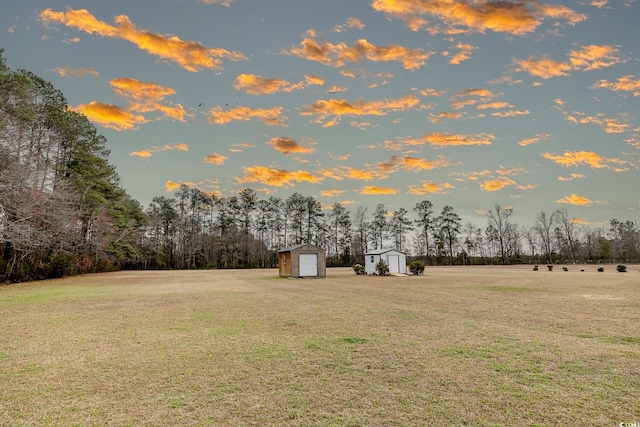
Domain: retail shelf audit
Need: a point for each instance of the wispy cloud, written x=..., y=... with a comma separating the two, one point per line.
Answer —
x=110, y=116
x=607, y=124
x=337, y=55
x=336, y=108
x=351, y=23
x=181, y=146
x=372, y=190
x=626, y=83
x=574, y=199
x=269, y=116
x=429, y=188
x=289, y=146
x=586, y=58
x=536, y=139
x=576, y=158
x=257, y=85
x=190, y=55
x=215, y=159
x=276, y=177
x=76, y=72
x=517, y=18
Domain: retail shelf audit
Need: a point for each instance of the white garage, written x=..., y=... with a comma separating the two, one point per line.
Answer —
x=396, y=260
x=308, y=265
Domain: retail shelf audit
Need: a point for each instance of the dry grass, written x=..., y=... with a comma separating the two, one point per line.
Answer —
x=457, y=346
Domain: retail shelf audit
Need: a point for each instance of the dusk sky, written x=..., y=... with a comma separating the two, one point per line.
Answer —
x=533, y=105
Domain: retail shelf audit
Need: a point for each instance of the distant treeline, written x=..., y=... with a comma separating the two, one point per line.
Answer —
x=63, y=212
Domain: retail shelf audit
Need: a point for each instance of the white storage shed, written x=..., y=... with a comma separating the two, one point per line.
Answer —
x=396, y=260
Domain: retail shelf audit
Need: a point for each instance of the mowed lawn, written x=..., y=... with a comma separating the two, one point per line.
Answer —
x=457, y=346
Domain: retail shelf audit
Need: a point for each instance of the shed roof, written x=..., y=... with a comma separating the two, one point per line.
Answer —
x=383, y=251
x=294, y=247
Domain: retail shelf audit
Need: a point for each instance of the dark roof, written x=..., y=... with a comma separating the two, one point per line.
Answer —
x=383, y=251
x=294, y=247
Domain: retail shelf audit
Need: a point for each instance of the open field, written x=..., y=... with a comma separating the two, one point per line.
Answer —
x=456, y=346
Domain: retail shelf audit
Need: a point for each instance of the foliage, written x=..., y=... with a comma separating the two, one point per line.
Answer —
x=621, y=268
x=535, y=268
x=416, y=268
x=600, y=269
x=550, y=267
x=382, y=269
x=359, y=269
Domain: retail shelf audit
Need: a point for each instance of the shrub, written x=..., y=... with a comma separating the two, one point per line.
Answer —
x=622, y=268
x=416, y=268
x=550, y=267
x=600, y=269
x=382, y=269
x=359, y=269
x=565, y=269
x=535, y=268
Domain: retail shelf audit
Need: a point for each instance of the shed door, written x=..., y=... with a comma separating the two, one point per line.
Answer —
x=308, y=265
x=394, y=263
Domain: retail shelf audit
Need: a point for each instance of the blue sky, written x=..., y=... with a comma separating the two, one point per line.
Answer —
x=530, y=105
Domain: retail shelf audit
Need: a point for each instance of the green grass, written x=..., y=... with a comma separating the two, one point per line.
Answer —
x=457, y=346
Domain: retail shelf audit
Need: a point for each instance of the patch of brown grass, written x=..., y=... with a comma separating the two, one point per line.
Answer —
x=458, y=345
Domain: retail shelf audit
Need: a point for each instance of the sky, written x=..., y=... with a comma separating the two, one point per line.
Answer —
x=529, y=105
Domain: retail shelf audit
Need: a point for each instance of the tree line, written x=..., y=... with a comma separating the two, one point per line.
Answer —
x=63, y=212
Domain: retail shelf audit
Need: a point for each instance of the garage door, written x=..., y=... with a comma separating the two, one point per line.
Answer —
x=308, y=265
x=394, y=263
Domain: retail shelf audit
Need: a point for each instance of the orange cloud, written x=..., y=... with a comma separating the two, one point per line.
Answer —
x=534, y=140
x=76, y=72
x=313, y=80
x=575, y=200
x=517, y=18
x=270, y=116
x=145, y=97
x=215, y=159
x=608, y=125
x=192, y=56
x=276, y=177
x=181, y=146
x=409, y=163
x=575, y=158
x=446, y=139
x=442, y=116
x=351, y=23
x=431, y=92
x=593, y=57
x=586, y=58
x=512, y=113
x=624, y=84
x=256, y=85
x=110, y=116
x=226, y=3
x=344, y=172
x=170, y=186
x=331, y=193
x=471, y=97
x=545, y=67
x=571, y=177
x=496, y=184
x=143, y=153
x=337, y=108
x=288, y=146
x=371, y=190
x=337, y=55
x=428, y=187
x=463, y=55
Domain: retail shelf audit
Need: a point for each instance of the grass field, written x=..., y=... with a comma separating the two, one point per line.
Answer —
x=457, y=346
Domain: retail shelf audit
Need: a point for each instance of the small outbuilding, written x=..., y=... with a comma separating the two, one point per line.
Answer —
x=303, y=260
x=396, y=260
